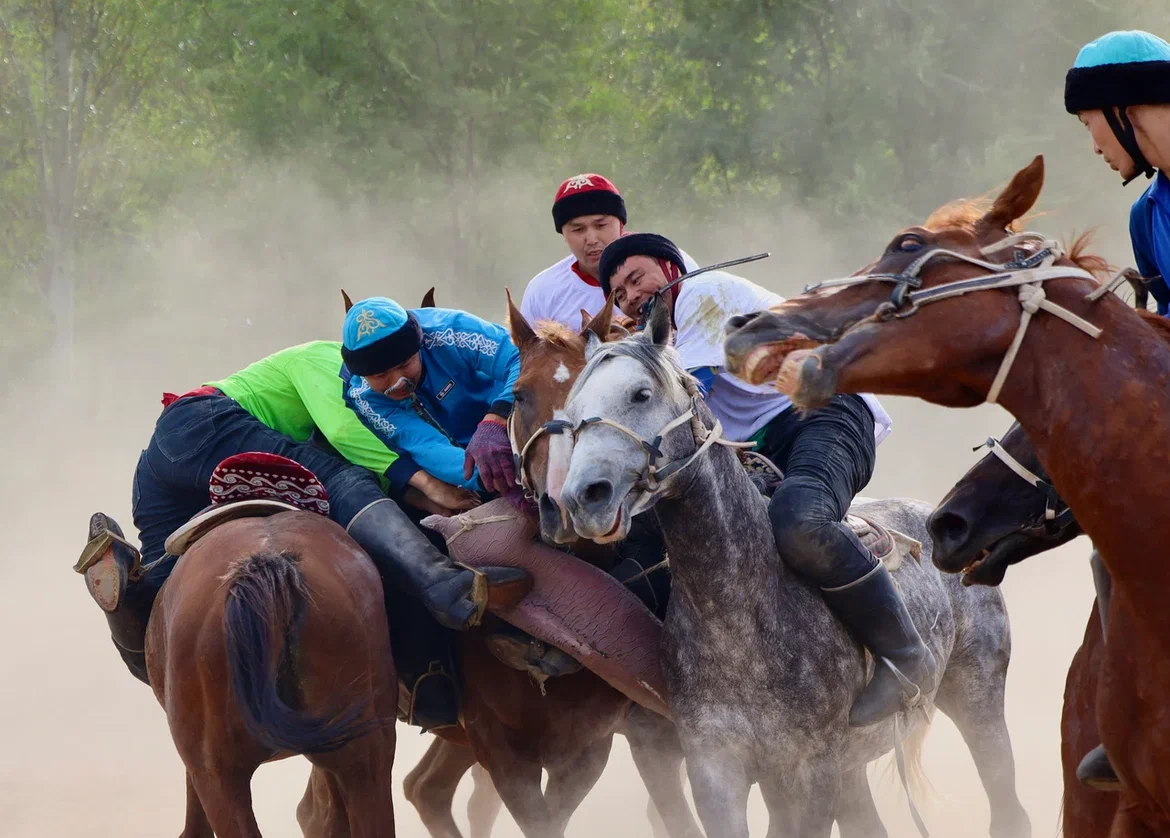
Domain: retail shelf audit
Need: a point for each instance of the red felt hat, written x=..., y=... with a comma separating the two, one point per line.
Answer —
x=587, y=194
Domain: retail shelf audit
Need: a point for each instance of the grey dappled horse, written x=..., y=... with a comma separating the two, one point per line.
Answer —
x=760, y=676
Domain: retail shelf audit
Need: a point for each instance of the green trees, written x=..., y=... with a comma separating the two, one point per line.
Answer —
x=845, y=108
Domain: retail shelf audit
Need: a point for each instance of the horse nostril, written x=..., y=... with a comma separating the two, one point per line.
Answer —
x=739, y=321
x=948, y=528
x=597, y=493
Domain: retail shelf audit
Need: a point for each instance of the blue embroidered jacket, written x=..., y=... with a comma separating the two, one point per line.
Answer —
x=469, y=368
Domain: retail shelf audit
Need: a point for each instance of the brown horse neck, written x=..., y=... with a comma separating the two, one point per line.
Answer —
x=1097, y=411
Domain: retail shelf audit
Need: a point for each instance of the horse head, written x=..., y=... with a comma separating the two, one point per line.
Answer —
x=1001, y=512
x=629, y=418
x=551, y=358
x=857, y=335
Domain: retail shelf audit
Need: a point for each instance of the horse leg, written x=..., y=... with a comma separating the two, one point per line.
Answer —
x=803, y=803
x=517, y=777
x=321, y=812
x=857, y=816
x=227, y=801
x=972, y=696
x=658, y=757
x=720, y=786
x=430, y=786
x=196, y=825
x=570, y=781
x=362, y=773
x=483, y=807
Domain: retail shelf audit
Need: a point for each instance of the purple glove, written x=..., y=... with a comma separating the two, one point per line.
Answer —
x=490, y=451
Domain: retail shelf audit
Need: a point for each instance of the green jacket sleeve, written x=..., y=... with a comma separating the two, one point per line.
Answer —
x=315, y=377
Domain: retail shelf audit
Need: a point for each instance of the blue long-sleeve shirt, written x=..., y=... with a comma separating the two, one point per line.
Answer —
x=1149, y=230
x=469, y=368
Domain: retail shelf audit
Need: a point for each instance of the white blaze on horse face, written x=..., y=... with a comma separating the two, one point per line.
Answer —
x=562, y=374
x=560, y=453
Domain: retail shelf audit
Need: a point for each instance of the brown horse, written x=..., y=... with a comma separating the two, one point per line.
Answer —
x=991, y=519
x=1079, y=393
x=269, y=639
x=574, y=716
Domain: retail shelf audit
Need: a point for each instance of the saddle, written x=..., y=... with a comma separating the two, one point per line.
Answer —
x=252, y=485
x=573, y=605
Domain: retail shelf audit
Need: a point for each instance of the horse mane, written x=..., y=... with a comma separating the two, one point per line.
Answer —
x=965, y=214
x=1160, y=324
x=558, y=334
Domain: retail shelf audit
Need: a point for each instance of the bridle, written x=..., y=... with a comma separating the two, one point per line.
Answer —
x=1057, y=514
x=655, y=473
x=1027, y=271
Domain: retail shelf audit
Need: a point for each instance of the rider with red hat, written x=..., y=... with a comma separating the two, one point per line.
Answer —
x=589, y=212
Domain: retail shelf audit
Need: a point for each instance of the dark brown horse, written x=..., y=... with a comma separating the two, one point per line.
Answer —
x=1079, y=393
x=576, y=716
x=994, y=518
x=269, y=639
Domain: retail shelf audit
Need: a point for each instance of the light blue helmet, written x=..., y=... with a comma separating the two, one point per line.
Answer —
x=1117, y=71
x=378, y=334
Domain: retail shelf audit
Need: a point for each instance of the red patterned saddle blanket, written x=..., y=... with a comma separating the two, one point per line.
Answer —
x=248, y=485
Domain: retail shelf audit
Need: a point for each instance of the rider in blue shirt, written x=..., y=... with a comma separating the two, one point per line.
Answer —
x=435, y=385
x=1119, y=87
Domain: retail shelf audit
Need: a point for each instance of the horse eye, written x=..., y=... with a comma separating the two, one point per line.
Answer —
x=910, y=243
x=520, y=396
x=642, y=395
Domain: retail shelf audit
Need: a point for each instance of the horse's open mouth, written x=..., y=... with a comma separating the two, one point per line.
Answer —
x=614, y=533
x=763, y=363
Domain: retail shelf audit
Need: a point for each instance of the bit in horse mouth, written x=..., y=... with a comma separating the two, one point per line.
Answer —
x=974, y=564
x=763, y=363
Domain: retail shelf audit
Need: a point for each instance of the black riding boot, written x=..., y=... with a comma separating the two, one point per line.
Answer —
x=1095, y=770
x=406, y=559
x=111, y=565
x=423, y=656
x=873, y=610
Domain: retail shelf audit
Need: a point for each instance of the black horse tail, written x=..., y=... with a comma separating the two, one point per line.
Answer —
x=266, y=601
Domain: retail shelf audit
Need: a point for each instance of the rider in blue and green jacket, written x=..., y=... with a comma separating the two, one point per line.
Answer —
x=435, y=385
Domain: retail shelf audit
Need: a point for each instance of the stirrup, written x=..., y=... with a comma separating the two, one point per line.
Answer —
x=434, y=668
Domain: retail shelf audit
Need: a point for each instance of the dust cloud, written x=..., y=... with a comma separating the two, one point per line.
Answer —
x=85, y=748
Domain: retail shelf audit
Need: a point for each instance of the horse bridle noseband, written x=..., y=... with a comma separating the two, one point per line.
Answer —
x=1027, y=272
x=653, y=475
x=1057, y=514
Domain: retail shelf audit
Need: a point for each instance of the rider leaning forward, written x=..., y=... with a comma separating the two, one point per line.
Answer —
x=1119, y=88
x=827, y=456
x=273, y=406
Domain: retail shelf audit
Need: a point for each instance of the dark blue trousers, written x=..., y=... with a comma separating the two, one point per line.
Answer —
x=194, y=435
x=827, y=456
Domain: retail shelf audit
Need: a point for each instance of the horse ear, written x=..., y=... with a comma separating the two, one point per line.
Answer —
x=345, y=299
x=592, y=344
x=428, y=300
x=1017, y=198
x=600, y=323
x=658, y=324
x=523, y=334
x=585, y=318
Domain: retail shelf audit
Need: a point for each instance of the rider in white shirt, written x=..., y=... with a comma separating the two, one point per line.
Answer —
x=589, y=212
x=827, y=456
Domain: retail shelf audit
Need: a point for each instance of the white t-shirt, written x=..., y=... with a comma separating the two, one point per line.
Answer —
x=704, y=305
x=559, y=293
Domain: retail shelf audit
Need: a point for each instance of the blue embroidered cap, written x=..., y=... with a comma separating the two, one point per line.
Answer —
x=378, y=334
x=1119, y=69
